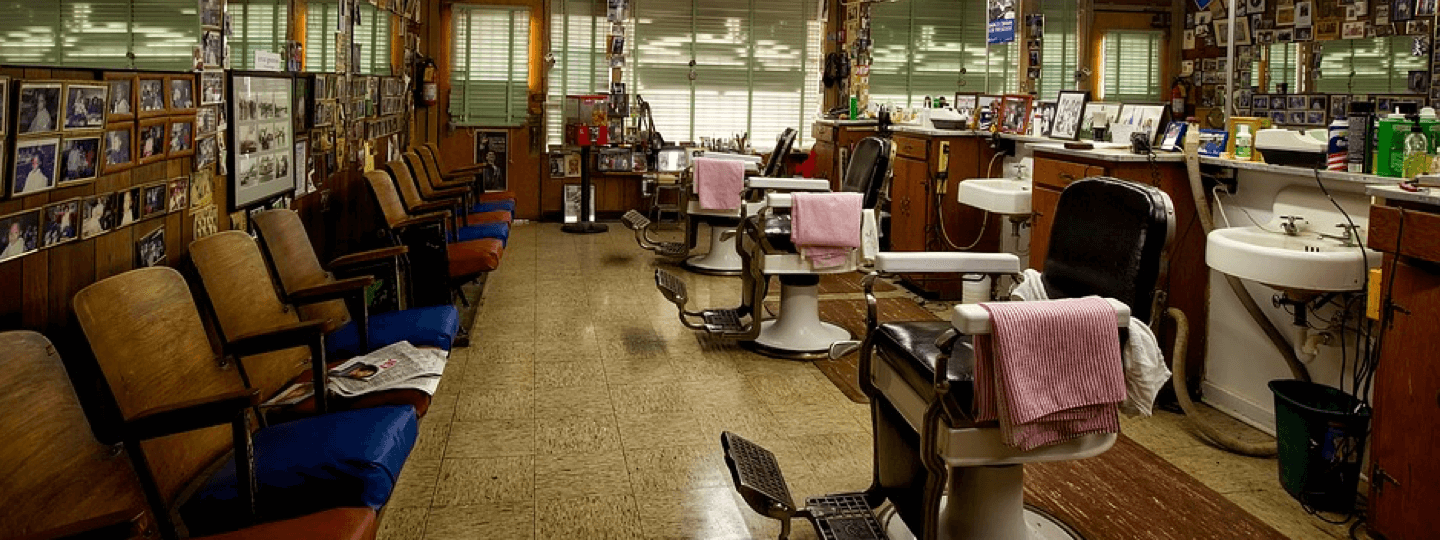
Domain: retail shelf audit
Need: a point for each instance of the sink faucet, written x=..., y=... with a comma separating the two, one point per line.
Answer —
x=1019, y=171
x=1291, y=229
x=1350, y=238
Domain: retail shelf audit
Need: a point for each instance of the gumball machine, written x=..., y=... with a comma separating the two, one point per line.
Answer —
x=586, y=125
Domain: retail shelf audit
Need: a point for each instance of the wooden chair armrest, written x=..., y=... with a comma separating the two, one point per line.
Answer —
x=434, y=206
x=121, y=525
x=334, y=290
x=424, y=218
x=450, y=181
x=191, y=415
x=368, y=256
x=288, y=336
x=451, y=193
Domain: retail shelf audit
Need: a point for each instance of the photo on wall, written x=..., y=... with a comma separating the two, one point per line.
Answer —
x=150, y=249
x=491, y=151
x=39, y=110
x=19, y=234
x=127, y=204
x=101, y=214
x=119, y=147
x=79, y=159
x=85, y=106
x=151, y=140
x=152, y=95
x=261, y=153
x=60, y=223
x=181, y=94
x=35, y=163
x=121, y=97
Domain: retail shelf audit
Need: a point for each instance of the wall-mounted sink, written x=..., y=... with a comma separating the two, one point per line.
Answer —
x=1007, y=196
x=1305, y=263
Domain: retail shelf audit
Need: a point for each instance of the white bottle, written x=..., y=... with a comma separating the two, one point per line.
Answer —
x=1243, y=149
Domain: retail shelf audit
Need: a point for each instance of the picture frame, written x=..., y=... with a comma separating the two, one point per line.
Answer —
x=1232, y=124
x=1095, y=111
x=60, y=223
x=212, y=48
x=1145, y=118
x=1174, y=136
x=120, y=106
x=151, y=140
x=207, y=120
x=202, y=189
x=36, y=166
x=207, y=152
x=180, y=137
x=119, y=148
x=179, y=194
x=19, y=234
x=966, y=103
x=127, y=207
x=1014, y=113
x=39, y=110
x=150, y=249
x=261, y=137
x=85, y=106
x=100, y=214
x=1070, y=106
x=991, y=101
x=79, y=159
x=1041, y=115
x=180, y=95
x=151, y=95
x=4, y=105
x=1213, y=142
x=212, y=87
x=300, y=103
x=153, y=199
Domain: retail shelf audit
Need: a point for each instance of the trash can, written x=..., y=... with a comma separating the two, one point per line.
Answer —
x=1320, y=433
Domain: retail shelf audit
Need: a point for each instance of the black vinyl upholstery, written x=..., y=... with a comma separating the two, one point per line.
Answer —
x=782, y=149
x=909, y=347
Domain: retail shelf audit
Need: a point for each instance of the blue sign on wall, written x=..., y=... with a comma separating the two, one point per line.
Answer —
x=1000, y=26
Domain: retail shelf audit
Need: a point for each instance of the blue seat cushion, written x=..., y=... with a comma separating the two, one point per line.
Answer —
x=497, y=231
x=493, y=206
x=337, y=460
x=433, y=326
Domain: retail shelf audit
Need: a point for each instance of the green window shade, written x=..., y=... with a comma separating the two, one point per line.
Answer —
x=373, y=35
x=578, y=38
x=1131, y=66
x=320, y=23
x=1367, y=66
x=491, y=65
x=1060, y=50
x=1282, y=69
x=921, y=46
x=30, y=34
x=104, y=34
x=257, y=25
x=97, y=33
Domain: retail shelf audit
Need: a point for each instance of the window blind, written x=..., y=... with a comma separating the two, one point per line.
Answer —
x=372, y=33
x=920, y=46
x=320, y=23
x=1282, y=68
x=105, y=34
x=490, y=65
x=1379, y=66
x=1131, y=66
x=1059, y=48
x=578, y=37
x=257, y=25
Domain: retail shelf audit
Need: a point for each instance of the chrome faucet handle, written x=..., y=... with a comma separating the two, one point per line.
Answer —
x=1289, y=225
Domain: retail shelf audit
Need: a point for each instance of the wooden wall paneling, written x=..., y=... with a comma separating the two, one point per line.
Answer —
x=36, y=311
x=11, y=299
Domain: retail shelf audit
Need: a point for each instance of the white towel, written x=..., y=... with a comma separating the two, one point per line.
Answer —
x=1145, y=371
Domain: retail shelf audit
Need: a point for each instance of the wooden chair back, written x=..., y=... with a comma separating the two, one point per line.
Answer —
x=386, y=196
x=53, y=472
x=293, y=258
x=424, y=177
x=147, y=336
x=433, y=151
x=431, y=164
x=409, y=188
x=238, y=284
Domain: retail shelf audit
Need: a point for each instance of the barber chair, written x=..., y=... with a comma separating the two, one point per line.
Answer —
x=947, y=476
x=766, y=250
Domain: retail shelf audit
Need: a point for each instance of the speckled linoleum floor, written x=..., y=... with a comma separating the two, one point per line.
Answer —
x=584, y=410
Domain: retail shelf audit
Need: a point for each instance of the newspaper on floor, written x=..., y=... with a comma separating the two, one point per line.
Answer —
x=398, y=366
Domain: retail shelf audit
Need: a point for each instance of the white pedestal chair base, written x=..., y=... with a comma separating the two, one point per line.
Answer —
x=722, y=260
x=797, y=333
x=1036, y=523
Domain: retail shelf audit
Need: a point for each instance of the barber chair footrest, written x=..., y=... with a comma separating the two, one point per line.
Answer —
x=672, y=287
x=672, y=249
x=635, y=221
x=844, y=516
x=724, y=321
x=757, y=477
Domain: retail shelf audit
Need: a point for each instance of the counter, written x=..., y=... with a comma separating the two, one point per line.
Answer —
x=1328, y=176
x=1430, y=196
x=1108, y=154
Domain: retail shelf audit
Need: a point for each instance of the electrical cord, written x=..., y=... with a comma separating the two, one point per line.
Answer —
x=945, y=233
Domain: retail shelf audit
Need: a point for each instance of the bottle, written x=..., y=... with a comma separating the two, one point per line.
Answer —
x=1390, y=145
x=1417, y=156
x=1362, y=135
x=1339, y=145
x=854, y=107
x=1243, y=149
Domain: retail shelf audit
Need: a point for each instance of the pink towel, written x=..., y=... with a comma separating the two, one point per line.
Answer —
x=719, y=183
x=826, y=226
x=1058, y=376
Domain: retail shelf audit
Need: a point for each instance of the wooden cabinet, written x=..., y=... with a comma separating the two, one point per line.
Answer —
x=824, y=149
x=924, y=213
x=1043, y=200
x=910, y=205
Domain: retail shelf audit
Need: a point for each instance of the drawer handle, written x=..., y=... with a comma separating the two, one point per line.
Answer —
x=1067, y=177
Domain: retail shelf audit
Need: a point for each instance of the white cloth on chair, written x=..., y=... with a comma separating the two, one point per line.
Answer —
x=1145, y=370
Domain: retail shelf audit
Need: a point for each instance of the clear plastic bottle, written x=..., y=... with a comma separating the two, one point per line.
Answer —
x=1417, y=157
x=1243, y=143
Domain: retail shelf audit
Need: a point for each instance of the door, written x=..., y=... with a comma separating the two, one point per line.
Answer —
x=909, y=208
x=1043, y=202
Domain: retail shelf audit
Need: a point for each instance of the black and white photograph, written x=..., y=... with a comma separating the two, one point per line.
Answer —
x=1069, y=107
x=206, y=221
x=101, y=214
x=60, y=223
x=85, y=106
x=35, y=161
x=491, y=151
x=119, y=148
x=181, y=138
x=151, y=141
x=557, y=164
x=206, y=152
x=1425, y=8
x=179, y=194
x=79, y=159
x=1256, y=6
x=1097, y=118
x=127, y=205
x=1339, y=106
x=152, y=96
x=1418, y=82
x=212, y=12
x=19, y=234
x=263, y=133
x=153, y=197
x=180, y=94
x=150, y=249
x=39, y=108
x=212, y=87
x=1304, y=34
x=207, y=120
x=212, y=48
x=1404, y=10
x=121, y=97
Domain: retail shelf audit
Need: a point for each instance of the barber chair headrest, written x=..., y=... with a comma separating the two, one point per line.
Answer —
x=1109, y=239
x=783, y=144
x=869, y=165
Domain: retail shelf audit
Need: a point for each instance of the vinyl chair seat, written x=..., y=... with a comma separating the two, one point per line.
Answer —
x=475, y=257
x=498, y=216
x=339, y=460
x=496, y=196
x=503, y=205
x=334, y=524
x=433, y=326
x=498, y=231
x=909, y=348
x=777, y=231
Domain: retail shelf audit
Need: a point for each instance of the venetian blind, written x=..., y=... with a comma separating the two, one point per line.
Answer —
x=106, y=34
x=371, y=33
x=1130, y=67
x=320, y=30
x=257, y=25
x=1060, y=52
x=491, y=65
x=578, y=37
x=921, y=46
x=1367, y=66
x=1282, y=68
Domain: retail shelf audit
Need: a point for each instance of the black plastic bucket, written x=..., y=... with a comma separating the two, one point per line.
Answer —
x=1320, y=432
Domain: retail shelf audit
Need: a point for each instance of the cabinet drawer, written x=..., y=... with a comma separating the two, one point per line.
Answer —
x=823, y=132
x=1059, y=174
x=912, y=148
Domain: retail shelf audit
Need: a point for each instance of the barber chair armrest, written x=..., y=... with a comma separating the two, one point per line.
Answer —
x=301, y=334
x=787, y=184
x=335, y=290
x=974, y=320
x=119, y=525
x=368, y=256
x=191, y=415
x=958, y=263
x=779, y=200
x=438, y=217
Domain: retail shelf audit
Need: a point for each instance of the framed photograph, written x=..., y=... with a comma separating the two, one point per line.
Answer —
x=179, y=194
x=1139, y=118
x=207, y=222
x=300, y=104
x=491, y=151
x=202, y=186
x=212, y=13
x=152, y=95
x=153, y=198
x=180, y=94
x=1070, y=108
x=1174, y=136
x=36, y=161
x=207, y=152
x=966, y=104
x=60, y=223
x=39, y=108
x=180, y=137
x=212, y=48
x=150, y=249
x=1339, y=106
x=1232, y=127
x=19, y=234
x=1095, y=122
x=1041, y=114
x=79, y=159
x=101, y=213
x=119, y=148
x=212, y=87
x=85, y=106
x=1297, y=103
x=1213, y=141
x=127, y=205
x=1014, y=114
x=151, y=140
x=121, y=106
x=261, y=138
x=207, y=120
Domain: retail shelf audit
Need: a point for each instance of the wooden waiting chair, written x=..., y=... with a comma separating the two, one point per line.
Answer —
x=427, y=182
x=303, y=280
x=237, y=283
x=60, y=482
x=430, y=157
x=466, y=226
x=175, y=395
x=465, y=260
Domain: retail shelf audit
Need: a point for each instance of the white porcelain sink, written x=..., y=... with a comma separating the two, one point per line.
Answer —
x=996, y=195
x=1302, y=263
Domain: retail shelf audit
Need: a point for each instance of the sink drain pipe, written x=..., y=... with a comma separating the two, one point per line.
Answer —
x=1206, y=430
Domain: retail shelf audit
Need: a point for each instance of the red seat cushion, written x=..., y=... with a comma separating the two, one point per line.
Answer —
x=485, y=218
x=493, y=196
x=474, y=257
x=336, y=524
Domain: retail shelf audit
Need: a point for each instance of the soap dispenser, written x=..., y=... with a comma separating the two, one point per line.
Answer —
x=1243, y=143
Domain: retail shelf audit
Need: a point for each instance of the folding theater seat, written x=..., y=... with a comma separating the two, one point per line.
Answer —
x=464, y=260
x=60, y=482
x=467, y=225
x=242, y=296
x=174, y=393
x=431, y=189
x=462, y=175
x=303, y=282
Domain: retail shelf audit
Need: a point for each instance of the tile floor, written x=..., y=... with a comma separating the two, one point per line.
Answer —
x=585, y=410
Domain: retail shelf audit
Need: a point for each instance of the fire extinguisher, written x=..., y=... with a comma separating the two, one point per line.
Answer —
x=427, y=92
x=1177, y=98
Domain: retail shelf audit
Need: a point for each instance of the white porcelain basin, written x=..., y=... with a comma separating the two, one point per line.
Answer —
x=1302, y=263
x=996, y=195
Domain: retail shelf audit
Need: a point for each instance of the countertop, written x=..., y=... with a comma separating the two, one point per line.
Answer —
x=1429, y=196
x=915, y=129
x=834, y=122
x=1119, y=155
x=1328, y=176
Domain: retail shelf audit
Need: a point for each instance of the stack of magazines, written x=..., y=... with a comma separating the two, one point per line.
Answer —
x=396, y=367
